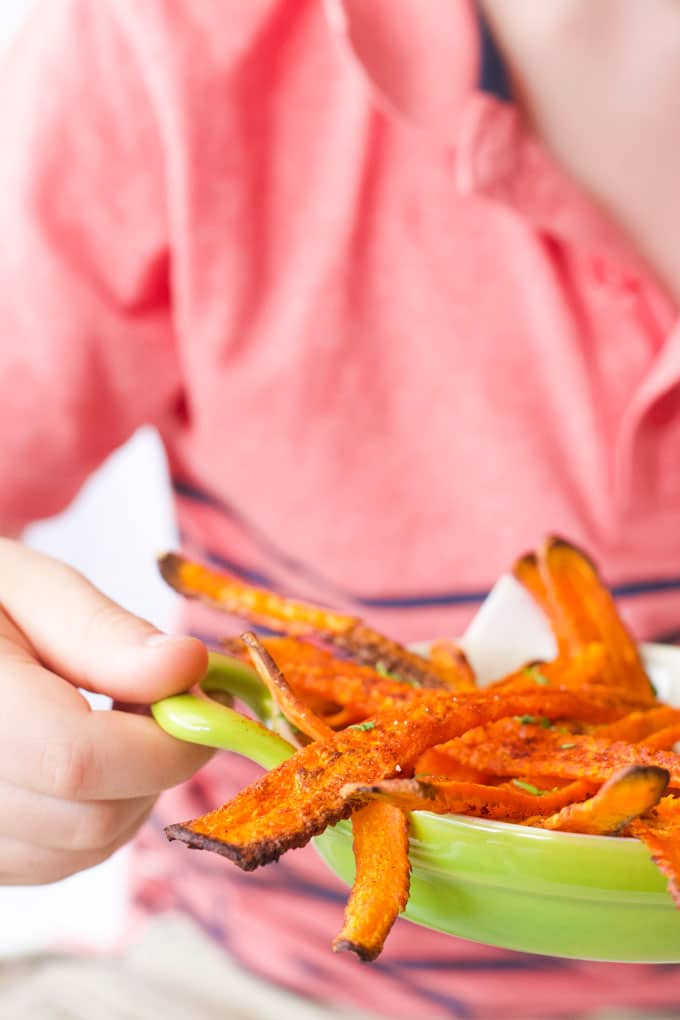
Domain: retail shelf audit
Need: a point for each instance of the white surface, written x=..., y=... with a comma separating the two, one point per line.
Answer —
x=508, y=631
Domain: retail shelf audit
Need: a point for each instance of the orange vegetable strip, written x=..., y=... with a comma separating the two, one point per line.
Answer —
x=527, y=572
x=312, y=671
x=639, y=725
x=295, y=710
x=381, y=883
x=264, y=608
x=443, y=796
x=510, y=747
x=449, y=656
x=228, y=594
x=663, y=740
x=659, y=830
x=435, y=763
x=583, y=611
x=294, y=802
x=628, y=793
x=315, y=672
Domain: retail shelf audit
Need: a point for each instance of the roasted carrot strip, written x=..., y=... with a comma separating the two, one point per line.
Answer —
x=663, y=740
x=295, y=710
x=640, y=725
x=381, y=883
x=659, y=830
x=527, y=572
x=296, y=801
x=435, y=763
x=513, y=746
x=446, y=797
x=264, y=608
x=315, y=672
x=627, y=794
x=451, y=657
x=582, y=611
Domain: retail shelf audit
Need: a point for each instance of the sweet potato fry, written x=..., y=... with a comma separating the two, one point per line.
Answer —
x=380, y=889
x=663, y=740
x=518, y=745
x=264, y=608
x=296, y=711
x=381, y=883
x=582, y=611
x=443, y=797
x=288, y=806
x=296, y=801
x=639, y=725
x=315, y=672
x=435, y=763
x=527, y=572
x=451, y=657
x=659, y=830
x=627, y=794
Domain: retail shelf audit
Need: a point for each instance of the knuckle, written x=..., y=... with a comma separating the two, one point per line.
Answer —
x=66, y=768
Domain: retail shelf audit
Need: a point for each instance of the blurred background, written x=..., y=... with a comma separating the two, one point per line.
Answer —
x=113, y=532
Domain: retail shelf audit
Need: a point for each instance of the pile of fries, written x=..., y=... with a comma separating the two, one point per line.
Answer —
x=578, y=744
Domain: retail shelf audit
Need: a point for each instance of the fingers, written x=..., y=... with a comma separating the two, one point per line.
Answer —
x=80, y=634
x=52, y=743
x=25, y=863
x=77, y=826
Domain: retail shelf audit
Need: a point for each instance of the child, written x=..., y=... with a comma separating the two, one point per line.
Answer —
x=399, y=300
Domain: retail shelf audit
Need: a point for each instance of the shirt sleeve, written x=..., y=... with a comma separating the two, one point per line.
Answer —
x=86, y=345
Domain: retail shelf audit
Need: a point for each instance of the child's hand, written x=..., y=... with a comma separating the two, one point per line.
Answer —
x=76, y=784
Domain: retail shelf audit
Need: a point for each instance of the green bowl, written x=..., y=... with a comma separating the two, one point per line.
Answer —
x=561, y=894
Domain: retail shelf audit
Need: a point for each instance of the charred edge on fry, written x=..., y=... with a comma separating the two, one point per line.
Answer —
x=365, y=954
x=265, y=851
x=557, y=542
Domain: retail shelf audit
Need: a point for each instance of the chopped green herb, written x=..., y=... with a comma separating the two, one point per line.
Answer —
x=534, y=673
x=534, y=720
x=364, y=726
x=528, y=787
x=565, y=747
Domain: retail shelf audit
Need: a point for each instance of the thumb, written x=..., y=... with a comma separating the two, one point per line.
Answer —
x=85, y=637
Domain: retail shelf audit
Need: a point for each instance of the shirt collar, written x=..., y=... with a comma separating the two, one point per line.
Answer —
x=435, y=68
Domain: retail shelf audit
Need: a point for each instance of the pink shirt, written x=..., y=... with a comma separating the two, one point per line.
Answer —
x=388, y=344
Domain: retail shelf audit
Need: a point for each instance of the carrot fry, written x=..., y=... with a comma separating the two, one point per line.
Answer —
x=663, y=740
x=435, y=763
x=442, y=796
x=527, y=572
x=295, y=710
x=659, y=830
x=582, y=611
x=518, y=745
x=381, y=883
x=628, y=793
x=450, y=656
x=639, y=725
x=264, y=608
